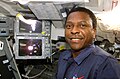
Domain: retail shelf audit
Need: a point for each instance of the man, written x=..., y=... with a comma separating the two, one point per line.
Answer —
x=84, y=60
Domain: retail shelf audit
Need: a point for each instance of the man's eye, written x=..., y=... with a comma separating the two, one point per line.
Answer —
x=83, y=26
x=68, y=26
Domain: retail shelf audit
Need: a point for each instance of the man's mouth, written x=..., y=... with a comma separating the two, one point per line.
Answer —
x=79, y=38
x=76, y=39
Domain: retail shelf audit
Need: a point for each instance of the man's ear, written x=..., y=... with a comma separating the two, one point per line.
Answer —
x=94, y=33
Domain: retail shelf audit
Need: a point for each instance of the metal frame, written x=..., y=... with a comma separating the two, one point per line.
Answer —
x=10, y=57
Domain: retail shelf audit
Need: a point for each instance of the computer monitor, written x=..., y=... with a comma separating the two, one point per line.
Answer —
x=34, y=27
x=32, y=47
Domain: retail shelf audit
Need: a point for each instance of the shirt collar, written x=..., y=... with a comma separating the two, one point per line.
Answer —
x=84, y=53
x=68, y=55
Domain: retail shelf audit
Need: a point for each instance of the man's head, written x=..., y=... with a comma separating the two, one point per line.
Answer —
x=80, y=28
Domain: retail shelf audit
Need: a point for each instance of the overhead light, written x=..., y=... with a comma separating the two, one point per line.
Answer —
x=27, y=1
x=21, y=1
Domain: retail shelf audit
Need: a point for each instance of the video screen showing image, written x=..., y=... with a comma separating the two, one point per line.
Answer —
x=30, y=47
x=34, y=27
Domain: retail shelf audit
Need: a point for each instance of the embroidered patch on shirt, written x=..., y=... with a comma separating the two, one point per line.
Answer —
x=74, y=77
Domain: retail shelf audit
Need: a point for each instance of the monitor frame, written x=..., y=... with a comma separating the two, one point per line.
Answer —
x=17, y=30
x=45, y=48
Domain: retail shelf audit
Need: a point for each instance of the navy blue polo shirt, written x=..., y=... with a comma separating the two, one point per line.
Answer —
x=91, y=63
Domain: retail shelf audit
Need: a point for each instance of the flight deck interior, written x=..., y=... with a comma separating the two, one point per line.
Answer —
x=32, y=34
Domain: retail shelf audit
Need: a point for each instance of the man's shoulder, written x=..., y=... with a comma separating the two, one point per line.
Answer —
x=100, y=52
x=102, y=55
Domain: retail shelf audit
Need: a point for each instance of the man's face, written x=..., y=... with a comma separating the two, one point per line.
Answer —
x=79, y=31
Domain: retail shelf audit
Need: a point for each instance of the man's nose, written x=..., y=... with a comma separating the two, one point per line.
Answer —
x=75, y=30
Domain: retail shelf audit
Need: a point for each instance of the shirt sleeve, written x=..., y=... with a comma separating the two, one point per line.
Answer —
x=109, y=69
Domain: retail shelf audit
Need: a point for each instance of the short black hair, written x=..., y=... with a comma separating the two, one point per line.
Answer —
x=89, y=12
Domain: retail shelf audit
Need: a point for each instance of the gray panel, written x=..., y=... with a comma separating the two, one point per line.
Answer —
x=45, y=11
x=58, y=24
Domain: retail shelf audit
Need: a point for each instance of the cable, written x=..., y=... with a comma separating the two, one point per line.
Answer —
x=47, y=67
x=25, y=76
x=30, y=69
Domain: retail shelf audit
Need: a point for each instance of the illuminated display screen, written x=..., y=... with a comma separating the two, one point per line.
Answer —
x=36, y=27
x=30, y=47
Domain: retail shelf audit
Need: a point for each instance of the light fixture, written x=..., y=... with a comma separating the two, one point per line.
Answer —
x=27, y=1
